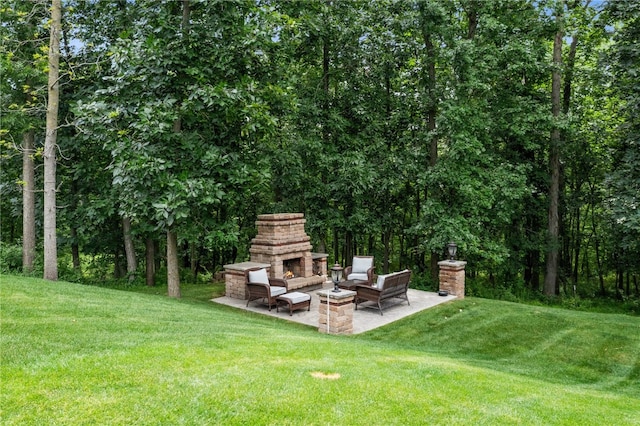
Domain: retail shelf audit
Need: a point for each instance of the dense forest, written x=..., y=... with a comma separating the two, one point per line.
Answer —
x=141, y=139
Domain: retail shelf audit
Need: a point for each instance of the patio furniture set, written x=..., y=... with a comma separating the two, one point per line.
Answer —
x=360, y=277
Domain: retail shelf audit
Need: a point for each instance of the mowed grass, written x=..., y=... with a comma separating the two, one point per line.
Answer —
x=74, y=354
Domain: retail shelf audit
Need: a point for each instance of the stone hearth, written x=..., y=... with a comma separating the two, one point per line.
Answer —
x=282, y=246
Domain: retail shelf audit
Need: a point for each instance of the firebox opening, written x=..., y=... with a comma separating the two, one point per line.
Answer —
x=292, y=268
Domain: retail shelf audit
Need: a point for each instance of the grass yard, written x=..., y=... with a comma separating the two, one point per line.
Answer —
x=74, y=354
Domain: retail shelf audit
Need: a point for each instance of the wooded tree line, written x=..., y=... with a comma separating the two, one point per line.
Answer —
x=508, y=126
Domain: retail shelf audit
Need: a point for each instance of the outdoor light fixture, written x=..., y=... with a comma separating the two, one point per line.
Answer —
x=452, y=248
x=336, y=276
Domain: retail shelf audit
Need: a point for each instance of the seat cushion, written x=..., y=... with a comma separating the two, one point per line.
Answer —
x=277, y=291
x=361, y=264
x=260, y=276
x=296, y=297
x=358, y=276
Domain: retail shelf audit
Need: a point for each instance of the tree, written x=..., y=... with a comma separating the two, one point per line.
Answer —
x=553, y=223
x=22, y=109
x=400, y=126
x=623, y=182
x=49, y=154
x=182, y=116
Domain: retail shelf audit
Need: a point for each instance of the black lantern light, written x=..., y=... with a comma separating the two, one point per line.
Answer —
x=452, y=248
x=336, y=276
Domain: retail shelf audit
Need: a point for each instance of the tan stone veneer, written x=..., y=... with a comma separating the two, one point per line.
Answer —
x=452, y=277
x=340, y=311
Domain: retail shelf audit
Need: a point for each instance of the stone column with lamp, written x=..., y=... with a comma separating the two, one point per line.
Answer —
x=452, y=273
x=336, y=307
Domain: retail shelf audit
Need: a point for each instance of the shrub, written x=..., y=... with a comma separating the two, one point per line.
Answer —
x=10, y=258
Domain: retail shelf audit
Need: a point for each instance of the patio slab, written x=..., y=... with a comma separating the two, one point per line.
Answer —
x=366, y=318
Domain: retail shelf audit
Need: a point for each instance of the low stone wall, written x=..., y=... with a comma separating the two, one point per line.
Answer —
x=235, y=285
x=234, y=280
x=305, y=284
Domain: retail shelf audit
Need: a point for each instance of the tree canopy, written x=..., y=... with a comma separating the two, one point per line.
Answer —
x=395, y=126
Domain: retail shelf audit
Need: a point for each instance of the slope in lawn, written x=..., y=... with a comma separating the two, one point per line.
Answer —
x=598, y=351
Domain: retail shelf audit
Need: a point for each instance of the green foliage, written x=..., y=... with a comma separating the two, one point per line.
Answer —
x=174, y=180
x=333, y=109
x=10, y=258
x=623, y=183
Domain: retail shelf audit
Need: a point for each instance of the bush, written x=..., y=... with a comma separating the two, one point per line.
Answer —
x=10, y=258
x=423, y=281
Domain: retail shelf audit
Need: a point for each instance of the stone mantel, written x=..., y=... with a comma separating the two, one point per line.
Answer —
x=243, y=266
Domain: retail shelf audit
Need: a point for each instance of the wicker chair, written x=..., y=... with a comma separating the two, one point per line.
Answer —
x=261, y=287
x=361, y=269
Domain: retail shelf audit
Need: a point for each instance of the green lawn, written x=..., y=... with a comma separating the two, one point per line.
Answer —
x=74, y=354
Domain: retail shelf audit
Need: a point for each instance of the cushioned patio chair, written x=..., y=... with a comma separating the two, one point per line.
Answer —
x=261, y=287
x=361, y=269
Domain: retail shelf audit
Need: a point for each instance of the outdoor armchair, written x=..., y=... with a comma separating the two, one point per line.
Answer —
x=261, y=287
x=361, y=269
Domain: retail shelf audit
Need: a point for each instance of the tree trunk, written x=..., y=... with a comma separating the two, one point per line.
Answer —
x=75, y=248
x=551, y=275
x=432, y=112
x=118, y=270
x=577, y=243
x=173, y=267
x=186, y=16
x=194, y=254
x=129, y=249
x=325, y=73
x=386, y=243
x=603, y=289
x=150, y=252
x=28, y=202
x=49, y=155
x=336, y=247
x=535, y=270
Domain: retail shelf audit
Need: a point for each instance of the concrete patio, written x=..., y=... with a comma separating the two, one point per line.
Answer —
x=366, y=318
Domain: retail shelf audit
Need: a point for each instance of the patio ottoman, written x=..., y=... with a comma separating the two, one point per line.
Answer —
x=294, y=300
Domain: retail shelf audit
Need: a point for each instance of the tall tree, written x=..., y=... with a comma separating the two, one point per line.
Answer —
x=22, y=108
x=50, y=162
x=623, y=182
x=551, y=273
x=28, y=201
x=430, y=18
x=184, y=128
x=129, y=249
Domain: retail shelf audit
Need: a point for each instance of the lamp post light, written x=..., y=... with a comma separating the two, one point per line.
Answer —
x=452, y=248
x=336, y=276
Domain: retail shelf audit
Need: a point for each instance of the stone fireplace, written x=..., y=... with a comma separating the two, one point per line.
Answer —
x=282, y=246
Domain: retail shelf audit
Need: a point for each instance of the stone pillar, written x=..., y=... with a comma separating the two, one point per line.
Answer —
x=320, y=263
x=452, y=277
x=234, y=280
x=340, y=311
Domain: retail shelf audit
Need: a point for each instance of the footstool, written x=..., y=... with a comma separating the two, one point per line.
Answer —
x=295, y=300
